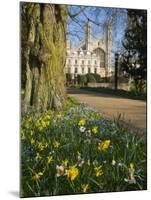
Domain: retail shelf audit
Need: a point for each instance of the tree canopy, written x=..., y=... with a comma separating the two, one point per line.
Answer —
x=134, y=58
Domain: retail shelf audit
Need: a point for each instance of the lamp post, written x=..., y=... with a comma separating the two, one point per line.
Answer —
x=116, y=71
x=76, y=75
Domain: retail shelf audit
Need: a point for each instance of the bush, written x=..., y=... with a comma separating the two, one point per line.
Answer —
x=90, y=78
x=97, y=77
x=68, y=78
x=142, y=91
x=79, y=151
x=82, y=80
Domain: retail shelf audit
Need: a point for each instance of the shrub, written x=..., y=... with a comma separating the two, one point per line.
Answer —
x=97, y=77
x=68, y=78
x=82, y=80
x=90, y=78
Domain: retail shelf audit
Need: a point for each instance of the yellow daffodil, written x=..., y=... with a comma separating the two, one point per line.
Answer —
x=98, y=171
x=43, y=123
x=28, y=123
x=65, y=162
x=131, y=165
x=72, y=173
x=56, y=144
x=85, y=187
x=48, y=123
x=23, y=137
x=46, y=145
x=40, y=124
x=41, y=147
x=104, y=145
x=38, y=156
x=131, y=179
x=37, y=176
x=82, y=122
x=60, y=170
x=59, y=115
x=31, y=133
x=47, y=117
x=49, y=159
x=32, y=141
x=88, y=162
x=95, y=130
x=78, y=153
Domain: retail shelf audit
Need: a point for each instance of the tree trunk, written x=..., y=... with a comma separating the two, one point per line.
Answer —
x=43, y=55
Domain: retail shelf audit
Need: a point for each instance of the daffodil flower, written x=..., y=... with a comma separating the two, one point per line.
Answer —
x=82, y=122
x=131, y=170
x=104, y=145
x=58, y=115
x=32, y=141
x=95, y=130
x=38, y=156
x=42, y=146
x=56, y=144
x=65, y=162
x=60, y=170
x=49, y=159
x=37, y=176
x=23, y=137
x=98, y=171
x=88, y=163
x=85, y=187
x=72, y=173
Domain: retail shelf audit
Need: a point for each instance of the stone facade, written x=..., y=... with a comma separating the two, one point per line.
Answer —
x=91, y=55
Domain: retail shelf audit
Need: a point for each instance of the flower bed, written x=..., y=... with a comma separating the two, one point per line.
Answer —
x=79, y=151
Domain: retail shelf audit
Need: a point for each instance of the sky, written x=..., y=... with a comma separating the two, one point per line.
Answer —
x=98, y=16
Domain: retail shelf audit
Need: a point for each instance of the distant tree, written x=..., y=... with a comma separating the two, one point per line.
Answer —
x=97, y=77
x=90, y=78
x=134, y=58
x=68, y=78
x=82, y=80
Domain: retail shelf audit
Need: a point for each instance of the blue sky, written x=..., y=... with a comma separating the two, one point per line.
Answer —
x=76, y=26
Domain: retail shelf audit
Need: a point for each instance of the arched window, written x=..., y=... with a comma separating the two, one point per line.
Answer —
x=82, y=62
x=89, y=70
x=76, y=61
x=100, y=52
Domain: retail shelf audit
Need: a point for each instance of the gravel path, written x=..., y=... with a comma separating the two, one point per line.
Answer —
x=133, y=112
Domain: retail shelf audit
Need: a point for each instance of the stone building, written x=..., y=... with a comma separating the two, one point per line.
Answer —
x=90, y=55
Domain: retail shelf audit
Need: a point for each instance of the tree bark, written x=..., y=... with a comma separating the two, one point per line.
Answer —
x=43, y=55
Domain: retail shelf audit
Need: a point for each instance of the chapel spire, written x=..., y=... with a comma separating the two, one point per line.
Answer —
x=88, y=35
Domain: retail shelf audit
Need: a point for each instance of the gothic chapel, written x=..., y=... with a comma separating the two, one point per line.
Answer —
x=91, y=55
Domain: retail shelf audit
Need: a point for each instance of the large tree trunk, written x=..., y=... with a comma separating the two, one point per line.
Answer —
x=43, y=54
